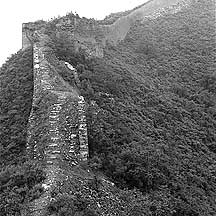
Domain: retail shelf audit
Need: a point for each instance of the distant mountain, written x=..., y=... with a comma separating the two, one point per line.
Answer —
x=135, y=93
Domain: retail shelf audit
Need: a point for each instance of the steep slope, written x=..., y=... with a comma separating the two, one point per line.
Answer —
x=118, y=30
x=92, y=36
x=16, y=81
x=151, y=115
x=19, y=178
x=155, y=125
x=57, y=133
x=167, y=105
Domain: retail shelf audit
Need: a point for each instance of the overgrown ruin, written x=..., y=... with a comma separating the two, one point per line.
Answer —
x=57, y=131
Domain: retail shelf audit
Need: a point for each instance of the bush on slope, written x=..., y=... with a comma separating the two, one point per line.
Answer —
x=16, y=81
x=155, y=123
x=156, y=96
x=19, y=178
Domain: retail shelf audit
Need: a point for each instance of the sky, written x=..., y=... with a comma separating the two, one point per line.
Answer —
x=15, y=12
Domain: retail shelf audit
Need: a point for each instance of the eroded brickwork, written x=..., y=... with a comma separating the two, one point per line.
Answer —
x=57, y=132
x=57, y=124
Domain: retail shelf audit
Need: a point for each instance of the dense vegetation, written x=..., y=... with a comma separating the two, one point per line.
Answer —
x=18, y=177
x=16, y=96
x=151, y=130
x=19, y=185
x=155, y=129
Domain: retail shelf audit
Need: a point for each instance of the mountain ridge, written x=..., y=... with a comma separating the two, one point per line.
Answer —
x=100, y=35
x=150, y=114
x=120, y=28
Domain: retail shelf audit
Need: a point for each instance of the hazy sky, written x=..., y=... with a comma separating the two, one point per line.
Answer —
x=15, y=12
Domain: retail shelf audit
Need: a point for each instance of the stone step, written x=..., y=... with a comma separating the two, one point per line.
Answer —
x=55, y=138
x=53, y=123
x=83, y=148
x=53, y=145
x=53, y=120
x=51, y=151
x=55, y=111
x=53, y=116
x=54, y=130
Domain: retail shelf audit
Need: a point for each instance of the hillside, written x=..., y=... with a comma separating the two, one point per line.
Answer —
x=119, y=29
x=150, y=114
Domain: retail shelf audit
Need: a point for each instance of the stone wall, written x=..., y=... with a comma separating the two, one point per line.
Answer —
x=57, y=125
x=26, y=42
x=57, y=130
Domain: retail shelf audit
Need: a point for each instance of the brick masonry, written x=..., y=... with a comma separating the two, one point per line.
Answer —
x=60, y=110
x=57, y=131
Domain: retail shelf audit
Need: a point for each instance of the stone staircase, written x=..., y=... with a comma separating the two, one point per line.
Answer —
x=82, y=129
x=52, y=150
x=61, y=109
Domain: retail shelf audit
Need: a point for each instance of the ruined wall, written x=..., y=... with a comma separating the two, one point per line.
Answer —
x=26, y=42
x=57, y=130
x=85, y=34
x=57, y=125
x=28, y=30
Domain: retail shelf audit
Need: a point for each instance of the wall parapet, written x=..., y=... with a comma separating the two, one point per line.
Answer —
x=52, y=96
x=57, y=130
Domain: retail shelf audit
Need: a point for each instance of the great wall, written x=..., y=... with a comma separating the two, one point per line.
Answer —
x=57, y=131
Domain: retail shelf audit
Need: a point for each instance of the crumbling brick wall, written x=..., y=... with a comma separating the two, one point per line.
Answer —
x=57, y=130
x=57, y=124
